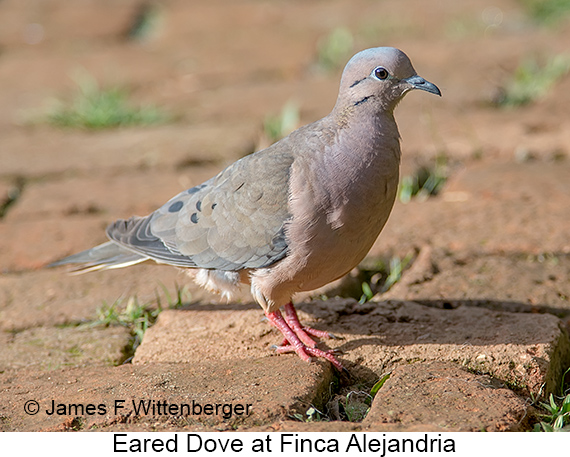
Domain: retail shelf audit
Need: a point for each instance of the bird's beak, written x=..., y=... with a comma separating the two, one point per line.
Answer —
x=417, y=82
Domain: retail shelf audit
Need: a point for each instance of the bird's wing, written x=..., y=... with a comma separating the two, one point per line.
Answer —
x=233, y=221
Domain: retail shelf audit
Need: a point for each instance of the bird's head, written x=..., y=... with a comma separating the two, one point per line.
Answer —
x=379, y=77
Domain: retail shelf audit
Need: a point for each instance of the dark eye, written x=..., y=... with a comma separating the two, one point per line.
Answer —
x=381, y=73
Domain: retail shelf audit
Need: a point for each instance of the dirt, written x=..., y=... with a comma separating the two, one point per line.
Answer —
x=473, y=334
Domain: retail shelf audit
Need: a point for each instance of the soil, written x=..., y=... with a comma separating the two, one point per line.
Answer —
x=473, y=334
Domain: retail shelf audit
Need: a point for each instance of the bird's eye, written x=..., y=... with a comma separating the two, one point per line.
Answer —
x=380, y=73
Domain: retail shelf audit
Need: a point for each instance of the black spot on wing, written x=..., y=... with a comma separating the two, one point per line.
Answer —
x=135, y=235
x=193, y=190
x=176, y=206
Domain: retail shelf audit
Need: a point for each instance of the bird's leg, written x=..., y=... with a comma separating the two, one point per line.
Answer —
x=302, y=331
x=293, y=342
x=293, y=321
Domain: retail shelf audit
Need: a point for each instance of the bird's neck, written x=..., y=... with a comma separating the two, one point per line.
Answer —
x=364, y=153
x=364, y=166
x=369, y=126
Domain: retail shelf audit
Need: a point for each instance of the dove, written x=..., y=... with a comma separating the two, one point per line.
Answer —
x=292, y=217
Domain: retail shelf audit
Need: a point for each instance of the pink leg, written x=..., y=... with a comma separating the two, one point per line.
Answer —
x=276, y=319
x=293, y=321
x=296, y=338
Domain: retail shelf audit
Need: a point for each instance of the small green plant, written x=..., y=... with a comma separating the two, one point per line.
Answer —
x=182, y=297
x=531, y=81
x=147, y=22
x=76, y=424
x=75, y=351
x=557, y=418
x=376, y=387
x=13, y=193
x=277, y=127
x=427, y=181
x=135, y=316
x=335, y=49
x=382, y=276
x=98, y=108
x=397, y=266
x=311, y=415
x=352, y=405
x=547, y=12
x=356, y=406
x=367, y=293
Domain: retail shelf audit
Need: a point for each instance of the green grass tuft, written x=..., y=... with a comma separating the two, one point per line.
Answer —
x=351, y=404
x=136, y=316
x=147, y=22
x=397, y=266
x=182, y=297
x=96, y=108
x=557, y=417
x=357, y=405
x=425, y=182
x=532, y=81
x=335, y=49
x=379, y=278
x=311, y=415
x=277, y=127
x=376, y=387
x=547, y=12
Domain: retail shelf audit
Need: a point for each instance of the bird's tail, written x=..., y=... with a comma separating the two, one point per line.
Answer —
x=106, y=256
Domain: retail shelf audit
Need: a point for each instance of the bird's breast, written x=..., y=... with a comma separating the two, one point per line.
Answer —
x=339, y=203
x=338, y=214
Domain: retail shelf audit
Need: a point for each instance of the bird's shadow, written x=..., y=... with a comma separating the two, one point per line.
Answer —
x=435, y=321
x=208, y=306
x=397, y=322
x=382, y=329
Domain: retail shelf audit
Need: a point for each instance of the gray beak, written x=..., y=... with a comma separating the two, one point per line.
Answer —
x=417, y=82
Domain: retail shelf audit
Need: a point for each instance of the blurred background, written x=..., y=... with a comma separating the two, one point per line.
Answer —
x=111, y=107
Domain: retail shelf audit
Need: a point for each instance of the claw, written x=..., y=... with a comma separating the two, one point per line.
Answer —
x=297, y=339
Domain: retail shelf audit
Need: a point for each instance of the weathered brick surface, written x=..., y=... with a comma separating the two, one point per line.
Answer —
x=415, y=393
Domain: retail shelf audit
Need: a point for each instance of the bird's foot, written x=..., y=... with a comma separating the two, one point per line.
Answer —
x=306, y=352
x=303, y=331
x=296, y=338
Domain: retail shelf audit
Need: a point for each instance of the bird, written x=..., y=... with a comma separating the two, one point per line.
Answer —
x=292, y=217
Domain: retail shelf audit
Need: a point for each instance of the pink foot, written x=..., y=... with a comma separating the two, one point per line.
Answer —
x=297, y=338
x=293, y=321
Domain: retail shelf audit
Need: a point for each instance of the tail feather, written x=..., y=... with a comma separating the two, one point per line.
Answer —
x=106, y=256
